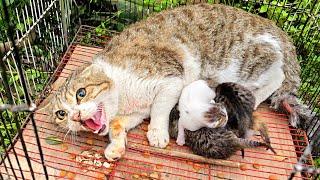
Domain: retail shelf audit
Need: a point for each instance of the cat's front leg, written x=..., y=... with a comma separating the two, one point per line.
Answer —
x=118, y=139
x=119, y=127
x=166, y=99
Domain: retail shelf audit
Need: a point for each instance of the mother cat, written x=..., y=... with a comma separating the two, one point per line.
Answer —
x=142, y=71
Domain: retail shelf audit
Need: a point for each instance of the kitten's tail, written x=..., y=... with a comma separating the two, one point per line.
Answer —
x=247, y=143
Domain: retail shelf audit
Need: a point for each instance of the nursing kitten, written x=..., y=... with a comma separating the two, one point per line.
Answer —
x=143, y=70
x=217, y=143
x=195, y=100
x=239, y=102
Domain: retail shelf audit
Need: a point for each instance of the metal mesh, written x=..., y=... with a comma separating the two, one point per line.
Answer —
x=41, y=31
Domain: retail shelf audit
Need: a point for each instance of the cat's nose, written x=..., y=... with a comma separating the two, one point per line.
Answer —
x=76, y=117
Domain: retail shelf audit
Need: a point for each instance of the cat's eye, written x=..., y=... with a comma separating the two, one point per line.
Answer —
x=61, y=114
x=81, y=93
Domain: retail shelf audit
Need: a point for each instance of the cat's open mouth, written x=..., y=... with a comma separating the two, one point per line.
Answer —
x=98, y=122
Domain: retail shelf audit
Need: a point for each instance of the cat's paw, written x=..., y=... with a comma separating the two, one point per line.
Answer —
x=114, y=151
x=299, y=114
x=158, y=138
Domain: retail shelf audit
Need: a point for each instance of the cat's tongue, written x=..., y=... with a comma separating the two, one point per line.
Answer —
x=97, y=121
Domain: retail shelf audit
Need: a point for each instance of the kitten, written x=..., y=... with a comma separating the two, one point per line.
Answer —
x=218, y=143
x=239, y=102
x=195, y=100
x=143, y=70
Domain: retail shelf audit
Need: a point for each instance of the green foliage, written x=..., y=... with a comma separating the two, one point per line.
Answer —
x=10, y=6
x=9, y=128
x=317, y=162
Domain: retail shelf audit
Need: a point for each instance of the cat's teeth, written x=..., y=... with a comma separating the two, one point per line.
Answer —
x=97, y=131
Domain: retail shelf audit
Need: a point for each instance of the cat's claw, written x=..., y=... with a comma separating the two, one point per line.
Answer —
x=114, y=151
x=158, y=138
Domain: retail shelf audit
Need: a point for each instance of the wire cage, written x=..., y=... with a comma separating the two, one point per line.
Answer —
x=43, y=41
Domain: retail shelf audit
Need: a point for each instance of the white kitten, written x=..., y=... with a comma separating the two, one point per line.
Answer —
x=197, y=109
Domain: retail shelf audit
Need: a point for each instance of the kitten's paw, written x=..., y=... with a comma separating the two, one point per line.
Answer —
x=158, y=138
x=180, y=141
x=114, y=151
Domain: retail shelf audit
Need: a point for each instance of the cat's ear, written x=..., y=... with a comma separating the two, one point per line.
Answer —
x=45, y=106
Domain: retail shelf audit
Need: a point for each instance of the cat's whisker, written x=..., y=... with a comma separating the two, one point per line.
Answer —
x=59, y=129
x=73, y=138
x=66, y=134
x=76, y=135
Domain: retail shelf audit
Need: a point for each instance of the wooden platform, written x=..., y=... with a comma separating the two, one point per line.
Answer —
x=142, y=162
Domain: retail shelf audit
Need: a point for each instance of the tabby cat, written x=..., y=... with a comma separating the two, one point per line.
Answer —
x=142, y=71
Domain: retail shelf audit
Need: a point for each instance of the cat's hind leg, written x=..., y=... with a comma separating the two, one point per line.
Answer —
x=165, y=100
x=268, y=82
x=285, y=99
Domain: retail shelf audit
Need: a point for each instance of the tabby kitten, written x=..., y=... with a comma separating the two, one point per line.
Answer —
x=217, y=143
x=142, y=71
x=195, y=100
x=239, y=102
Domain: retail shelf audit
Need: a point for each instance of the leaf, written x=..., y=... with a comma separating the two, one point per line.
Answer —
x=20, y=27
x=263, y=9
x=29, y=21
x=9, y=2
x=291, y=18
x=52, y=140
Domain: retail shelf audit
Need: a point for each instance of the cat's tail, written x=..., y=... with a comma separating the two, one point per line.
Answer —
x=285, y=99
